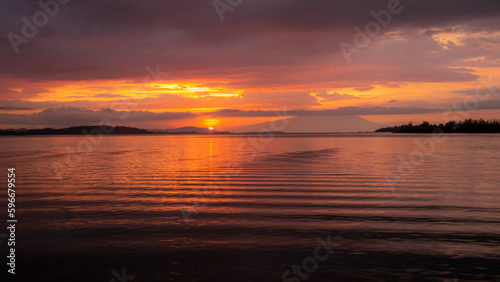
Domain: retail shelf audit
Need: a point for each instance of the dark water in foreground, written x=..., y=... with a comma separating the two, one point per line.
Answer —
x=264, y=210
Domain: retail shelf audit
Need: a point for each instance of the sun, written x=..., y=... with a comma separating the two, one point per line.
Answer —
x=210, y=128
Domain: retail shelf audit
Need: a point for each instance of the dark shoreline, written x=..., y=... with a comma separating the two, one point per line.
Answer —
x=466, y=126
x=424, y=128
x=94, y=130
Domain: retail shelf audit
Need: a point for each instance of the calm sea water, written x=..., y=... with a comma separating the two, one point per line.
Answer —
x=252, y=208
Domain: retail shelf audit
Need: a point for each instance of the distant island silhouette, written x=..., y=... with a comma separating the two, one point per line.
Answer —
x=466, y=126
x=105, y=130
x=77, y=130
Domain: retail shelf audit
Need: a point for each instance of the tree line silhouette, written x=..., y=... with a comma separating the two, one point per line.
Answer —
x=466, y=126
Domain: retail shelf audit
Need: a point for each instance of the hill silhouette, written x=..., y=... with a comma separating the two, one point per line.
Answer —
x=77, y=130
x=107, y=130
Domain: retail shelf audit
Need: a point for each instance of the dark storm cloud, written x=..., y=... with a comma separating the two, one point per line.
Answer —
x=116, y=39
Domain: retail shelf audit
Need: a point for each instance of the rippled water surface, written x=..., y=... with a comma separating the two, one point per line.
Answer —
x=240, y=208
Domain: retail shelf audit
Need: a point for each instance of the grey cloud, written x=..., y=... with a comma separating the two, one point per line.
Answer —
x=105, y=95
x=364, y=88
x=90, y=39
x=339, y=111
x=7, y=108
x=68, y=116
x=335, y=96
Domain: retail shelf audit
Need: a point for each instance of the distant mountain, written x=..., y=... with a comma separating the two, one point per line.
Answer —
x=77, y=130
x=314, y=124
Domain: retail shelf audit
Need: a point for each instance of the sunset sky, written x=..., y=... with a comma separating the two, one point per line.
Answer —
x=229, y=63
